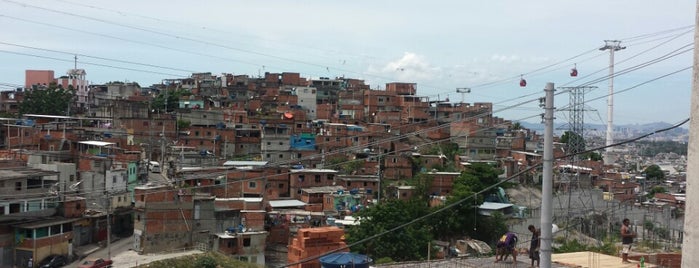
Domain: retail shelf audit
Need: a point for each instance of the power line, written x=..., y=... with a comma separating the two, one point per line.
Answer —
x=486, y=189
x=88, y=63
x=99, y=58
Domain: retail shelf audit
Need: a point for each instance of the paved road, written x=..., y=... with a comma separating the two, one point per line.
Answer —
x=123, y=256
x=118, y=247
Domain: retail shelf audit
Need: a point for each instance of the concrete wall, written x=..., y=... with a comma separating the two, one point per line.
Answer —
x=307, y=100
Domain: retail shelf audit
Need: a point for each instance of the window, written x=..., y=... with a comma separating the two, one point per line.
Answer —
x=281, y=156
x=317, y=179
x=72, y=177
x=197, y=209
x=269, y=143
x=252, y=184
x=18, y=186
x=246, y=242
x=114, y=179
x=281, y=186
x=138, y=217
x=281, y=143
x=208, y=133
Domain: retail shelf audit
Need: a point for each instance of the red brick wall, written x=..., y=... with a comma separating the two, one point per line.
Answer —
x=74, y=208
x=291, y=79
x=45, y=241
x=255, y=220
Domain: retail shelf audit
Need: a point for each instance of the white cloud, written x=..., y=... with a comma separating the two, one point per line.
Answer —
x=410, y=67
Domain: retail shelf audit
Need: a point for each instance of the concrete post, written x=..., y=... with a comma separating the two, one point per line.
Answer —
x=690, y=243
x=546, y=238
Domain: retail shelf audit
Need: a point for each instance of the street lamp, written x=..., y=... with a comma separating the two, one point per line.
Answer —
x=109, y=230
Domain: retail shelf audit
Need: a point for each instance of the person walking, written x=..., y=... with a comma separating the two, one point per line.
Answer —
x=534, y=245
x=627, y=236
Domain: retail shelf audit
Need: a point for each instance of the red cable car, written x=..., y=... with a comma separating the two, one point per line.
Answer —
x=522, y=82
x=574, y=71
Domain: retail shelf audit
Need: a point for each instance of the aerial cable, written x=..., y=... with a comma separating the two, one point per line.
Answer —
x=89, y=63
x=96, y=57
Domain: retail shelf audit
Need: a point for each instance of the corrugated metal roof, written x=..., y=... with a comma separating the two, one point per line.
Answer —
x=286, y=203
x=493, y=206
x=245, y=163
x=97, y=143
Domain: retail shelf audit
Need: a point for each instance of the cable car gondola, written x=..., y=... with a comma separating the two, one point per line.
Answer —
x=522, y=82
x=574, y=71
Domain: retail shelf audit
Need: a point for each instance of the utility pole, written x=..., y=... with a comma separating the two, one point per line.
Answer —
x=379, y=168
x=463, y=91
x=547, y=183
x=109, y=227
x=690, y=239
x=612, y=46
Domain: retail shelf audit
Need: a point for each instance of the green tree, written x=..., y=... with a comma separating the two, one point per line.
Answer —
x=408, y=243
x=54, y=100
x=653, y=172
x=171, y=97
x=656, y=190
x=594, y=156
x=515, y=126
x=462, y=219
x=575, y=143
x=182, y=124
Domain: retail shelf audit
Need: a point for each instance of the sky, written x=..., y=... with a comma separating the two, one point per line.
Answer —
x=486, y=46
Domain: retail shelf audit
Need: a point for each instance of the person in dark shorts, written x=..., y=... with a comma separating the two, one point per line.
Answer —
x=534, y=245
x=627, y=236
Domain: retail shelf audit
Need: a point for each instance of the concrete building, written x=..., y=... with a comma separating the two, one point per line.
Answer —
x=307, y=97
x=164, y=219
x=38, y=77
x=306, y=178
x=77, y=79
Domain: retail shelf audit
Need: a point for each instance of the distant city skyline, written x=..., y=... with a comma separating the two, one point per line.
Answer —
x=441, y=47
